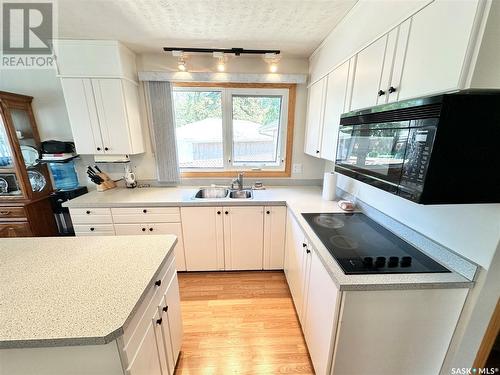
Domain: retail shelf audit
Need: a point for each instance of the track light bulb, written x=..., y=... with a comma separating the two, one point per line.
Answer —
x=273, y=68
x=181, y=64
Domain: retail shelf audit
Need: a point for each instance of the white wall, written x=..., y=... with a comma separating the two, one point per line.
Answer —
x=48, y=101
x=312, y=168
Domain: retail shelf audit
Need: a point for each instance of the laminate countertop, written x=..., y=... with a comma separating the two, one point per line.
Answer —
x=58, y=291
x=298, y=199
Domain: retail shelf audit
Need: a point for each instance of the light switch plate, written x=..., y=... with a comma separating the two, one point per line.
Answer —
x=297, y=168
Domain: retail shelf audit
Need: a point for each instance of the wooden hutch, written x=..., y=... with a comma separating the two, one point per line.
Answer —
x=25, y=186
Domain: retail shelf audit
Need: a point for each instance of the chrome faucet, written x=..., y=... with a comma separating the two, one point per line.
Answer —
x=238, y=180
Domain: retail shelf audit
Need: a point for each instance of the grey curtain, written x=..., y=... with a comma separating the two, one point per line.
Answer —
x=161, y=115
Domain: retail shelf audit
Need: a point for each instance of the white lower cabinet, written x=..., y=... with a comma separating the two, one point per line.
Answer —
x=243, y=237
x=296, y=263
x=172, y=331
x=274, y=237
x=233, y=237
x=203, y=238
x=320, y=322
x=146, y=361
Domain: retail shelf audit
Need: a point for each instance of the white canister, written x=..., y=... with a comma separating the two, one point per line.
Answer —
x=329, y=186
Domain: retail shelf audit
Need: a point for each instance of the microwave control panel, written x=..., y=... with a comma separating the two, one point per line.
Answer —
x=418, y=152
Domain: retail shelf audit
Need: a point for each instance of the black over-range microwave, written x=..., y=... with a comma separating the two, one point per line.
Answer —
x=442, y=149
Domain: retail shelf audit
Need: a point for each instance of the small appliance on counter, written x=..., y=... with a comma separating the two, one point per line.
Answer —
x=60, y=158
x=129, y=177
x=61, y=214
x=362, y=246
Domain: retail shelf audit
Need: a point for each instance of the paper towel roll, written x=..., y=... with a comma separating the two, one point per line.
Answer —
x=329, y=186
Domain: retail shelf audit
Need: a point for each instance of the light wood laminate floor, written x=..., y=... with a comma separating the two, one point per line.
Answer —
x=240, y=323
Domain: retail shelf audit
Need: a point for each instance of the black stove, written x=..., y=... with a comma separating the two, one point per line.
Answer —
x=361, y=246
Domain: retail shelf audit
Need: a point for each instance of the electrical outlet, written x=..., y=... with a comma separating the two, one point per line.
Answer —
x=297, y=168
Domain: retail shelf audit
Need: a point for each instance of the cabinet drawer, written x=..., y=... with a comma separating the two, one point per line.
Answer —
x=146, y=215
x=12, y=213
x=15, y=229
x=94, y=230
x=91, y=216
x=137, y=326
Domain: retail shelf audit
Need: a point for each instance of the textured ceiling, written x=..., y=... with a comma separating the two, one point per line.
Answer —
x=296, y=27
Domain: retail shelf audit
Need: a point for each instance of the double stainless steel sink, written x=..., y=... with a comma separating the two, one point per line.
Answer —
x=223, y=193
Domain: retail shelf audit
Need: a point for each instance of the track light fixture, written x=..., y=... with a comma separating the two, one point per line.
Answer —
x=270, y=56
x=272, y=59
x=221, y=61
x=235, y=51
x=181, y=60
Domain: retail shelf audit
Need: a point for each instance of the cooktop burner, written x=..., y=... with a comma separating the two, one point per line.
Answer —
x=361, y=246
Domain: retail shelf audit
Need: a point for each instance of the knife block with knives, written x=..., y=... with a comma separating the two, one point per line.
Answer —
x=101, y=179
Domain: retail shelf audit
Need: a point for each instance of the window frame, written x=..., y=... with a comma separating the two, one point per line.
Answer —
x=287, y=91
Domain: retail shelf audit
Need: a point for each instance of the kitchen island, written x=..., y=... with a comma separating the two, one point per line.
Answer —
x=89, y=305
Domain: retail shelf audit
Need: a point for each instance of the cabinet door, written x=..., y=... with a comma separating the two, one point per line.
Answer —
x=274, y=237
x=160, y=325
x=295, y=264
x=334, y=106
x=321, y=315
x=403, y=31
x=314, y=121
x=82, y=112
x=174, y=317
x=243, y=238
x=437, y=47
x=173, y=228
x=385, y=80
x=112, y=113
x=132, y=229
x=367, y=75
x=203, y=238
x=146, y=360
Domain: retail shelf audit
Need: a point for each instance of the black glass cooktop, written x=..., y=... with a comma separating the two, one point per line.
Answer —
x=361, y=246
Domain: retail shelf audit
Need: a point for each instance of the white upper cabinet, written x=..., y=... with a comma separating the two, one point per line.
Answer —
x=432, y=51
x=243, y=237
x=367, y=76
x=392, y=88
x=104, y=115
x=334, y=107
x=102, y=96
x=314, y=121
x=437, y=48
x=82, y=112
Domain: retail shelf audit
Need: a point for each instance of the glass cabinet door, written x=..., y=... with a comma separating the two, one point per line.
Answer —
x=9, y=185
x=29, y=148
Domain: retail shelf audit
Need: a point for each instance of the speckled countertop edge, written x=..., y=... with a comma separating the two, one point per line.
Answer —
x=298, y=200
x=92, y=340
